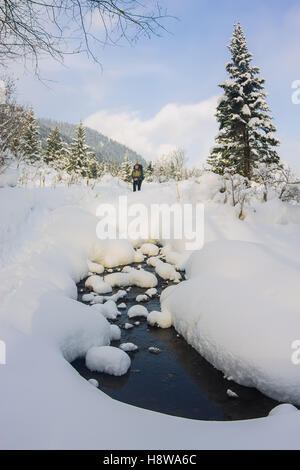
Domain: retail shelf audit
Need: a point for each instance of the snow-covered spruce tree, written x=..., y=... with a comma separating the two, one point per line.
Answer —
x=126, y=169
x=149, y=172
x=246, y=128
x=79, y=154
x=30, y=143
x=55, y=152
x=95, y=170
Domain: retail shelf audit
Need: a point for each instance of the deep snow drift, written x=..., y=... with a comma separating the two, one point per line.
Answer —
x=238, y=307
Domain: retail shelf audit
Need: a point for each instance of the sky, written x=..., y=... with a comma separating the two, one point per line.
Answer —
x=161, y=93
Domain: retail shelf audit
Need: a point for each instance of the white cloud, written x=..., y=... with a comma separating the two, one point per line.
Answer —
x=191, y=127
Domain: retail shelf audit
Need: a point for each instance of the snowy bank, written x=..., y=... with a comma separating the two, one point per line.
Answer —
x=47, y=236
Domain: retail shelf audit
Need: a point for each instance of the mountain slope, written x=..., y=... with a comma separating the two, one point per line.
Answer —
x=105, y=148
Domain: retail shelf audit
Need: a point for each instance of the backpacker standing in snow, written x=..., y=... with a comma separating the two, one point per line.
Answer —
x=137, y=176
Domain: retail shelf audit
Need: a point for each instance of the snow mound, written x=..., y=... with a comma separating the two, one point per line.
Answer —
x=111, y=309
x=111, y=253
x=98, y=299
x=128, y=347
x=94, y=382
x=117, y=279
x=122, y=306
x=151, y=292
x=107, y=359
x=166, y=271
x=119, y=295
x=141, y=298
x=115, y=333
x=161, y=319
x=95, y=267
x=139, y=257
x=96, y=284
x=284, y=409
x=88, y=297
x=142, y=278
x=149, y=249
x=137, y=311
x=242, y=314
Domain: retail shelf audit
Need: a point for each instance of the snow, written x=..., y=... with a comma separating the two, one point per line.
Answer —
x=119, y=295
x=94, y=382
x=141, y=298
x=128, y=326
x=47, y=235
x=95, y=268
x=117, y=279
x=115, y=333
x=164, y=270
x=134, y=277
x=137, y=311
x=161, y=319
x=122, y=306
x=231, y=394
x=142, y=278
x=88, y=297
x=111, y=253
x=9, y=178
x=151, y=292
x=128, y=347
x=107, y=359
x=96, y=284
x=111, y=309
x=149, y=249
x=138, y=257
x=266, y=316
x=97, y=299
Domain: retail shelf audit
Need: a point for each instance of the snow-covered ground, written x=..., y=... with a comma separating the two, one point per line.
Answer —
x=239, y=308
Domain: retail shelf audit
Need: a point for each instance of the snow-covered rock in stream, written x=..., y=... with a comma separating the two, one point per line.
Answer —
x=151, y=292
x=87, y=297
x=134, y=277
x=137, y=311
x=119, y=295
x=128, y=347
x=111, y=253
x=96, y=284
x=115, y=333
x=161, y=319
x=141, y=298
x=231, y=393
x=95, y=268
x=122, y=306
x=142, y=278
x=149, y=249
x=94, y=382
x=107, y=359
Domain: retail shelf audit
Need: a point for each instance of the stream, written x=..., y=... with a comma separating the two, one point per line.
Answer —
x=177, y=380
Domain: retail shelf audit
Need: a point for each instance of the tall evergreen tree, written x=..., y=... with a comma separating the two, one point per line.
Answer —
x=149, y=172
x=94, y=167
x=246, y=130
x=55, y=152
x=79, y=157
x=30, y=143
x=126, y=169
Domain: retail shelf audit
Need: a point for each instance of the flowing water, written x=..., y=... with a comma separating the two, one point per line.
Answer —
x=177, y=380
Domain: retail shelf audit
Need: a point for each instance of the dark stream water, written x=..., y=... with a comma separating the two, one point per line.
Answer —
x=177, y=381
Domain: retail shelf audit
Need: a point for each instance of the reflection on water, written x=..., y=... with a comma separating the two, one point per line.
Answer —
x=177, y=381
